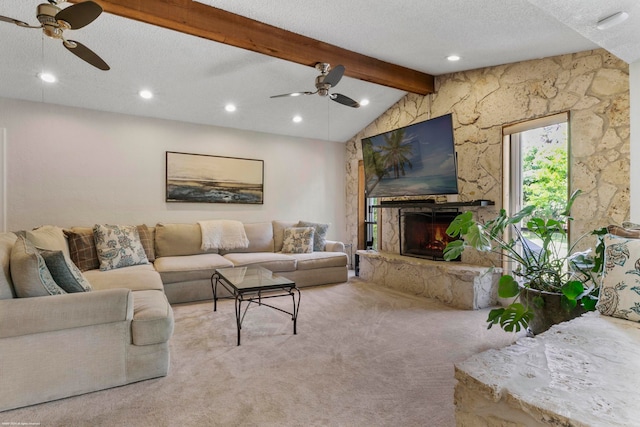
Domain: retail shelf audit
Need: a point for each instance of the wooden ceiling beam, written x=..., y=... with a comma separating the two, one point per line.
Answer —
x=204, y=21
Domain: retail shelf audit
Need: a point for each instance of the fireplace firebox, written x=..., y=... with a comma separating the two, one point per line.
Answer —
x=423, y=234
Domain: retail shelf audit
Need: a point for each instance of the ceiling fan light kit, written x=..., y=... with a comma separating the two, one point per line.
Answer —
x=328, y=78
x=54, y=21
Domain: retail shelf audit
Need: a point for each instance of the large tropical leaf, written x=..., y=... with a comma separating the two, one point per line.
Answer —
x=453, y=250
x=508, y=287
x=460, y=224
x=515, y=317
x=494, y=317
x=476, y=238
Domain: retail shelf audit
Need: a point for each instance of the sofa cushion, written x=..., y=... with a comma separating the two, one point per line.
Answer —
x=152, y=318
x=82, y=248
x=49, y=237
x=64, y=272
x=137, y=278
x=29, y=272
x=320, y=236
x=7, y=241
x=272, y=261
x=320, y=260
x=278, y=233
x=179, y=239
x=175, y=269
x=620, y=287
x=260, y=235
x=298, y=240
x=118, y=246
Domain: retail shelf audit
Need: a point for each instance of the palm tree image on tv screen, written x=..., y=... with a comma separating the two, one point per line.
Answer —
x=415, y=160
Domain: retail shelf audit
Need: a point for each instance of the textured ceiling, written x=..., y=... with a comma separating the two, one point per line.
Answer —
x=194, y=78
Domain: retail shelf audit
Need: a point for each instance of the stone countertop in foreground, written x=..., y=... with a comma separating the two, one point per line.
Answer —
x=585, y=372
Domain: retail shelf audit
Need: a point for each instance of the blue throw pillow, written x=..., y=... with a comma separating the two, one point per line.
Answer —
x=64, y=272
x=320, y=235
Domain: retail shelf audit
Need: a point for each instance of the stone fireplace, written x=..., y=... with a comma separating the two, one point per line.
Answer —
x=423, y=234
x=412, y=236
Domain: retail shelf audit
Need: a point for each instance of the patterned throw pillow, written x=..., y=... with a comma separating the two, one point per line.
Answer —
x=118, y=246
x=146, y=238
x=620, y=287
x=320, y=237
x=82, y=249
x=29, y=272
x=298, y=240
x=64, y=272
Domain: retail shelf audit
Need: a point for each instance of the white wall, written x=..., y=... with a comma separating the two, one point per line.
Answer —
x=69, y=166
x=3, y=169
x=634, y=140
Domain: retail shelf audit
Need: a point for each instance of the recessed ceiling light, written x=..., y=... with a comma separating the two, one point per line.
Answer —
x=297, y=119
x=47, y=77
x=612, y=20
x=146, y=94
x=453, y=58
x=364, y=102
x=230, y=108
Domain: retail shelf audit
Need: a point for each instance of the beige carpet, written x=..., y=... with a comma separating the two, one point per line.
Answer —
x=364, y=356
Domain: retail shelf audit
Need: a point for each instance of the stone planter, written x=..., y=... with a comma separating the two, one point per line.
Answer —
x=549, y=313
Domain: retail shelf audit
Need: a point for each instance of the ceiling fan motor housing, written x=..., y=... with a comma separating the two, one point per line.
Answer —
x=47, y=17
x=323, y=88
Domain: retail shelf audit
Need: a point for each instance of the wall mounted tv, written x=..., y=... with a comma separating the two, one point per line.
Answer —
x=415, y=160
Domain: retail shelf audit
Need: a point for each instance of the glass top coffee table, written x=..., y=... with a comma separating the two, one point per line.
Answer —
x=254, y=285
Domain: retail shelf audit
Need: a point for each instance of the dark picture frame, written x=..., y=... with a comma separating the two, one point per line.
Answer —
x=204, y=178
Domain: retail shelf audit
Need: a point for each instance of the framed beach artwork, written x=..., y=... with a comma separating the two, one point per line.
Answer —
x=202, y=178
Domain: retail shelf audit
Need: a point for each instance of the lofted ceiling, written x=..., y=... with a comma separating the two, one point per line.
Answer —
x=193, y=78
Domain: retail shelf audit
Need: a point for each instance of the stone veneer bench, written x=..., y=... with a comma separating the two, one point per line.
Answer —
x=585, y=372
x=456, y=284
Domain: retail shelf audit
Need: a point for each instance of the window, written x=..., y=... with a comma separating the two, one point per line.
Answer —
x=536, y=166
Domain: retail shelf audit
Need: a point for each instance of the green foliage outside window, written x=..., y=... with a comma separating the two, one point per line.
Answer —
x=545, y=171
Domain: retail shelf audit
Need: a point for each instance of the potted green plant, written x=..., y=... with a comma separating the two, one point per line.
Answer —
x=547, y=285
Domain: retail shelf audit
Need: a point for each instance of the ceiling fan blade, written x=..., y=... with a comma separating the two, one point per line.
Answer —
x=79, y=14
x=344, y=100
x=292, y=94
x=334, y=75
x=86, y=54
x=17, y=22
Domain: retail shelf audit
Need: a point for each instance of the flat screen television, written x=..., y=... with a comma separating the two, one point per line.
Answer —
x=415, y=160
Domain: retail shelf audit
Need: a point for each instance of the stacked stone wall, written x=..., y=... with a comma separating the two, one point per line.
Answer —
x=593, y=86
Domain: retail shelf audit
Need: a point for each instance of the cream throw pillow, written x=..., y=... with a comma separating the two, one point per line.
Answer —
x=49, y=237
x=29, y=272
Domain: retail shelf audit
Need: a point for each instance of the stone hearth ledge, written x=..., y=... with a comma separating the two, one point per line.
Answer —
x=456, y=284
x=584, y=372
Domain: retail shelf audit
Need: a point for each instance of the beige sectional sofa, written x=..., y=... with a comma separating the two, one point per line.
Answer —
x=186, y=269
x=57, y=346
x=63, y=345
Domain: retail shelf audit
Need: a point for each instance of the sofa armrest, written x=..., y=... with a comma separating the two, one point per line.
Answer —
x=333, y=246
x=23, y=316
